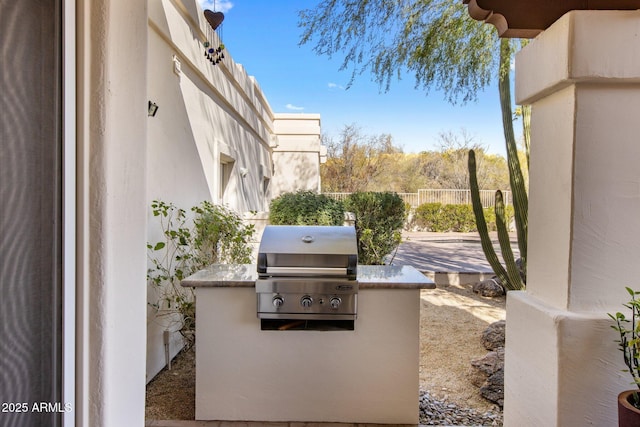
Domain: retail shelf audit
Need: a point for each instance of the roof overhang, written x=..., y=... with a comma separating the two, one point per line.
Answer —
x=526, y=18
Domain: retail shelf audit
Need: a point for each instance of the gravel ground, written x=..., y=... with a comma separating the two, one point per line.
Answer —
x=438, y=413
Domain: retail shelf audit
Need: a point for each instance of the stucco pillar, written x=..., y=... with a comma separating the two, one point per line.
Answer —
x=582, y=78
x=298, y=153
x=112, y=211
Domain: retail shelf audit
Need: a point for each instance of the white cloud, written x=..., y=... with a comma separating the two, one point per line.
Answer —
x=332, y=85
x=294, y=107
x=217, y=5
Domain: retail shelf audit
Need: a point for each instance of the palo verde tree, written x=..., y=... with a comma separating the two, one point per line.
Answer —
x=438, y=42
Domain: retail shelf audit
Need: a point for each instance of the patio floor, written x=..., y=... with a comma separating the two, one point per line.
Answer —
x=448, y=258
x=260, y=424
x=446, y=252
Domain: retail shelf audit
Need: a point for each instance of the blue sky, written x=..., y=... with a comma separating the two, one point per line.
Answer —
x=263, y=36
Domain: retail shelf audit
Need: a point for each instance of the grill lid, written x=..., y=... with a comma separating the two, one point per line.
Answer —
x=308, y=250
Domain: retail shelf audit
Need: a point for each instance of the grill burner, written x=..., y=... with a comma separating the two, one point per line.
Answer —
x=307, y=274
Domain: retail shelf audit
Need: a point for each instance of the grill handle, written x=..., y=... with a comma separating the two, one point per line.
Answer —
x=262, y=263
x=352, y=267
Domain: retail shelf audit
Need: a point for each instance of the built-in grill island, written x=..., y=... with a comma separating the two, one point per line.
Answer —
x=307, y=278
x=307, y=334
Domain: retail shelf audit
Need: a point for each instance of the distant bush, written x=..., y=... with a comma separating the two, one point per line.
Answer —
x=379, y=221
x=305, y=208
x=490, y=217
x=441, y=218
x=430, y=217
x=460, y=217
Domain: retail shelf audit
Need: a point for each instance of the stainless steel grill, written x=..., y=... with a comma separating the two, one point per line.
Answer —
x=307, y=273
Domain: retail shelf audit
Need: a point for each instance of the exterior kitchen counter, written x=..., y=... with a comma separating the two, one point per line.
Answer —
x=369, y=277
x=368, y=373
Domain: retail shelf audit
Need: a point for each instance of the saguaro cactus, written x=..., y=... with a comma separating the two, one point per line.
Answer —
x=514, y=277
x=485, y=240
x=510, y=277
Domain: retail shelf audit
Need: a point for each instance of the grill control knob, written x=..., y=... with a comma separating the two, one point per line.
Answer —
x=277, y=301
x=306, y=301
x=335, y=303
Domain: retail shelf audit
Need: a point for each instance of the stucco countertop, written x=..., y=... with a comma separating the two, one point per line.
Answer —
x=369, y=277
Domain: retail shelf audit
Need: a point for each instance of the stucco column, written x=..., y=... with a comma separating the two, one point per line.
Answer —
x=112, y=211
x=298, y=153
x=582, y=78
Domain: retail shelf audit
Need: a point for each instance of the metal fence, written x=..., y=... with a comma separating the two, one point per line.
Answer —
x=444, y=196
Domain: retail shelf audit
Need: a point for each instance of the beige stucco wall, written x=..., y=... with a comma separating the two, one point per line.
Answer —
x=252, y=375
x=218, y=111
x=208, y=115
x=298, y=153
x=111, y=213
x=582, y=78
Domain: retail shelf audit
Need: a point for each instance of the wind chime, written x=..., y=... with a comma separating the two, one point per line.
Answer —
x=213, y=53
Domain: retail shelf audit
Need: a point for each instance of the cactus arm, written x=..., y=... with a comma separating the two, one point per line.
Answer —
x=516, y=179
x=481, y=224
x=515, y=282
x=526, y=130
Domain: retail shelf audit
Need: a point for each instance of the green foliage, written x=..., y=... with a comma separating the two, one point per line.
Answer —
x=629, y=342
x=220, y=236
x=379, y=221
x=429, y=216
x=305, y=208
x=441, y=218
x=215, y=235
x=460, y=217
x=490, y=217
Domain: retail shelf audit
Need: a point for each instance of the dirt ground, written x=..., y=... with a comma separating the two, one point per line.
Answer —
x=452, y=319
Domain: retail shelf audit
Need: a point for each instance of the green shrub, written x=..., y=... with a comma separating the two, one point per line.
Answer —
x=427, y=215
x=441, y=218
x=490, y=217
x=305, y=208
x=215, y=235
x=460, y=218
x=379, y=221
x=220, y=235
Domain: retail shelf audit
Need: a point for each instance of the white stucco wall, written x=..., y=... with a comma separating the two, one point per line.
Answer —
x=125, y=57
x=111, y=208
x=209, y=114
x=217, y=112
x=582, y=78
x=298, y=153
x=368, y=375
